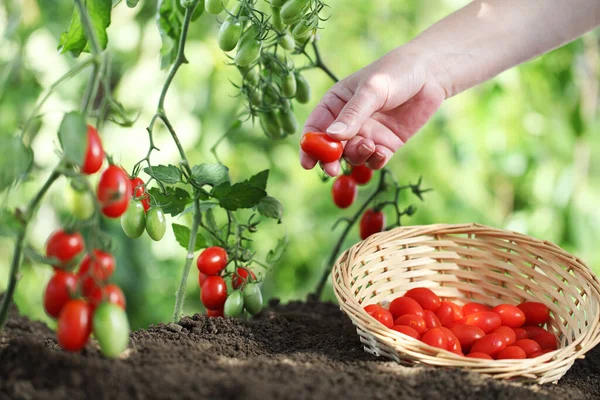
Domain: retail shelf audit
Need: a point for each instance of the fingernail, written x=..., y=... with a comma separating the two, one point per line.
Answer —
x=337, y=127
x=364, y=150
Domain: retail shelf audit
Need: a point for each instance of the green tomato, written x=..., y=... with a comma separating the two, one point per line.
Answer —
x=248, y=48
x=287, y=42
x=215, y=6
x=229, y=35
x=251, y=76
x=82, y=203
x=287, y=120
x=234, y=305
x=255, y=97
x=133, y=221
x=276, y=18
x=198, y=11
x=292, y=10
x=253, y=300
x=301, y=31
x=285, y=60
x=288, y=85
x=277, y=3
x=270, y=125
x=111, y=329
x=156, y=223
x=303, y=92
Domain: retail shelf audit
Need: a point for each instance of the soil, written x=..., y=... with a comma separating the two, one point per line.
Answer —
x=294, y=351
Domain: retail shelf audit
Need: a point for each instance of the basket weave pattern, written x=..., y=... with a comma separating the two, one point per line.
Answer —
x=464, y=263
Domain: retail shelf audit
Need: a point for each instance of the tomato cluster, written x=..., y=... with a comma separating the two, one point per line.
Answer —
x=84, y=301
x=474, y=330
x=246, y=294
x=140, y=216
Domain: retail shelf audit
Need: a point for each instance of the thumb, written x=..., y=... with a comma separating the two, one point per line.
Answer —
x=355, y=113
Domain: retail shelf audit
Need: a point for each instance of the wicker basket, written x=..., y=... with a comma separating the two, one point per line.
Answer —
x=466, y=263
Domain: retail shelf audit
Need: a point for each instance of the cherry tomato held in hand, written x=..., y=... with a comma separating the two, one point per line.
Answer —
x=94, y=154
x=407, y=330
x=535, y=313
x=212, y=260
x=483, y=356
x=321, y=147
x=361, y=174
x=95, y=269
x=511, y=353
x=425, y=297
x=510, y=315
x=384, y=316
x=486, y=320
x=344, y=191
x=113, y=191
x=371, y=222
x=414, y=321
x=139, y=192
x=405, y=305
x=491, y=344
x=467, y=335
x=435, y=337
x=214, y=293
x=471, y=308
x=528, y=345
x=240, y=276
x=74, y=325
x=58, y=292
x=510, y=337
x=431, y=320
x=65, y=247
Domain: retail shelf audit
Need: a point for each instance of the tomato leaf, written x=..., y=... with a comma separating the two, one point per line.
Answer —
x=240, y=195
x=182, y=235
x=75, y=40
x=210, y=174
x=260, y=180
x=173, y=202
x=72, y=135
x=16, y=160
x=169, y=21
x=9, y=224
x=168, y=174
x=271, y=207
x=273, y=256
x=210, y=220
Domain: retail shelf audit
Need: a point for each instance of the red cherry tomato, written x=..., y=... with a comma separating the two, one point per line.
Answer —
x=528, y=345
x=241, y=276
x=535, y=313
x=536, y=354
x=94, y=270
x=138, y=191
x=510, y=337
x=94, y=155
x=425, y=297
x=361, y=174
x=212, y=260
x=371, y=222
x=407, y=330
x=520, y=333
x=321, y=147
x=405, y=305
x=110, y=293
x=65, y=247
x=510, y=315
x=533, y=331
x=511, y=353
x=414, y=321
x=58, y=292
x=371, y=308
x=471, y=308
x=467, y=335
x=486, y=320
x=214, y=313
x=431, y=320
x=214, y=293
x=448, y=312
x=453, y=342
x=74, y=325
x=491, y=344
x=384, y=316
x=480, y=355
x=201, y=278
x=344, y=191
x=546, y=340
x=113, y=192
x=435, y=337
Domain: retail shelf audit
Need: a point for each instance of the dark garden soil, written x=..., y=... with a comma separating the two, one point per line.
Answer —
x=295, y=351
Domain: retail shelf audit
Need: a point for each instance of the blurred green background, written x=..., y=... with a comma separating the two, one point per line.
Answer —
x=516, y=152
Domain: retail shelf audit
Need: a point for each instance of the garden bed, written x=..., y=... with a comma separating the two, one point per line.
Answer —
x=299, y=350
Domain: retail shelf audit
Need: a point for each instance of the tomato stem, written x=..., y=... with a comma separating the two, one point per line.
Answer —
x=321, y=65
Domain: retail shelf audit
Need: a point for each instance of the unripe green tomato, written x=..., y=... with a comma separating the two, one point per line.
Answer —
x=277, y=3
x=301, y=30
x=270, y=125
x=255, y=97
x=285, y=60
x=292, y=10
x=248, y=48
x=253, y=300
x=303, y=91
x=111, y=329
x=229, y=35
x=287, y=120
x=288, y=85
x=287, y=42
x=82, y=203
x=133, y=221
x=235, y=11
x=234, y=305
x=276, y=19
x=156, y=223
x=215, y=6
x=251, y=77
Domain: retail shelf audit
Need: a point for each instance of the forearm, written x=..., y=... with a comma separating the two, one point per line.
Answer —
x=487, y=37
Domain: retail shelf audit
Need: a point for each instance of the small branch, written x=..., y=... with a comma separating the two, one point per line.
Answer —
x=321, y=65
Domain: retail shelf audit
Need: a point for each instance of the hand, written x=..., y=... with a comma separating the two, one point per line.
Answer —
x=376, y=110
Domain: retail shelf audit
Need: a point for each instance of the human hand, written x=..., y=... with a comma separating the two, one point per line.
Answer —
x=376, y=110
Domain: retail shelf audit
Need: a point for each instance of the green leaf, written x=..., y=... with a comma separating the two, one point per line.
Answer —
x=182, y=235
x=210, y=174
x=210, y=220
x=173, y=202
x=260, y=180
x=240, y=195
x=168, y=174
x=273, y=256
x=169, y=21
x=271, y=207
x=9, y=224
x=16, y=160
x=75, y=40
x=72, y=135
